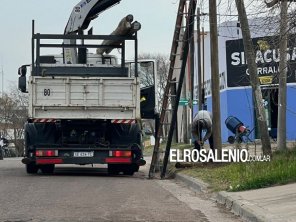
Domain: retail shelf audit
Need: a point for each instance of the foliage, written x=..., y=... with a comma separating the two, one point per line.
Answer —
x=13, y=115
x=162, y=66
x=251, y=175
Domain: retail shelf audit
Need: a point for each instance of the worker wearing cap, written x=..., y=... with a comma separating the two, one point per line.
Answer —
x=202, y=122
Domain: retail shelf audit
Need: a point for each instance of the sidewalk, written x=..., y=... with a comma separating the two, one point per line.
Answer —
x=268, y=204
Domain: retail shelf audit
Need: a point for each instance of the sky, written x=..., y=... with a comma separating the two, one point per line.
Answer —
x=51, y=16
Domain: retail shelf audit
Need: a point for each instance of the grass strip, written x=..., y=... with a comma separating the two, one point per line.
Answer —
x=250, y=175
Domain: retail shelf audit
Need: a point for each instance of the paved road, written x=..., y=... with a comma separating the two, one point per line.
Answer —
x=89, y=194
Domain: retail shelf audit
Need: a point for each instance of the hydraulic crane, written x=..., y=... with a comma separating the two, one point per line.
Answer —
x=82, y=14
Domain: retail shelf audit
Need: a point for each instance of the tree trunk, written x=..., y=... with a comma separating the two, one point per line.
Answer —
x=250, y=55
x=282, y=100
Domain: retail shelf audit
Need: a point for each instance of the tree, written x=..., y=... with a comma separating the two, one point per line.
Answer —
x=13, y=115
x=5, y=108
x=250, y=55
x=282, y=96
x=271, y=3
x=162, y=67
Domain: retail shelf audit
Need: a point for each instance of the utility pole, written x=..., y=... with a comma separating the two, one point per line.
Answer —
x=203, y=68
x=282, y=96
x=192, y=69
x=250, y=55
x=184, y=88
x=199, y=60
x=215, y=77
x=192, y=73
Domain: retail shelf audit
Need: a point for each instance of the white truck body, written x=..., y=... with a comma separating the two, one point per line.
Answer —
x=85, y=108
x=84, y=98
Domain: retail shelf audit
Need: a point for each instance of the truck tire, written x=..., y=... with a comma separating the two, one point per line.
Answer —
x=130, y=169
x=31, y=168
x=113, y=169
x=47, y=169
x=126, y=135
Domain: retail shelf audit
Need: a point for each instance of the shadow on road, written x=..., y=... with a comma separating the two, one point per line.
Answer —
x=89, y=172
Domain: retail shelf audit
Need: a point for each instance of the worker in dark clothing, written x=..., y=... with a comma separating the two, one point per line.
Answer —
x=202, y=121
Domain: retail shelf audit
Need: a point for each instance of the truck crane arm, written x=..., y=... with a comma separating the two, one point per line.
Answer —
x=84, y=12
x=80, y=18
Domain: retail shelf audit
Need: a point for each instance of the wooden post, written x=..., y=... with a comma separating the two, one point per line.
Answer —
x=282, y=97
x=200, y=99
x=215, y=77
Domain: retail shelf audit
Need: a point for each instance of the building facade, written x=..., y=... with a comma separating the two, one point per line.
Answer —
x=236, y=97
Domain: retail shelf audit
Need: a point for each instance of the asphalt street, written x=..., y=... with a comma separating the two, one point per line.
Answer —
x=85, y=193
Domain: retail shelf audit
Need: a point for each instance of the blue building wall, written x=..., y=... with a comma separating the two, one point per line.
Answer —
x=291, y=112
x=241, y=106
x=239, y=103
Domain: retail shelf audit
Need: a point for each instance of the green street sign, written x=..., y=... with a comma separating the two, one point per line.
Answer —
x=183, y=103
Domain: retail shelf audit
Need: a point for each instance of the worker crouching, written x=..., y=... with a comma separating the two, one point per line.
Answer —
x=202, y=122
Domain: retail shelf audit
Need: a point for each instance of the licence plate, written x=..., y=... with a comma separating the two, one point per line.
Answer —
x=84, y=154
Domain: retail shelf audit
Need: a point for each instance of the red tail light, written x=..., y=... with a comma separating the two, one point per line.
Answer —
x=119, y=153
x=46, y=153
x=119, y=156
x=49, y=161
x=118, y=160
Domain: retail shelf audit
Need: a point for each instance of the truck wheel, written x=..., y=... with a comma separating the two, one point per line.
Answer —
x=130, y=169
x=31, y=168
x=128, y=172
x=113, y=169
x=47, y=169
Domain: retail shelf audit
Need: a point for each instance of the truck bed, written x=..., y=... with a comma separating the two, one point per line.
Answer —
x=84, y=97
